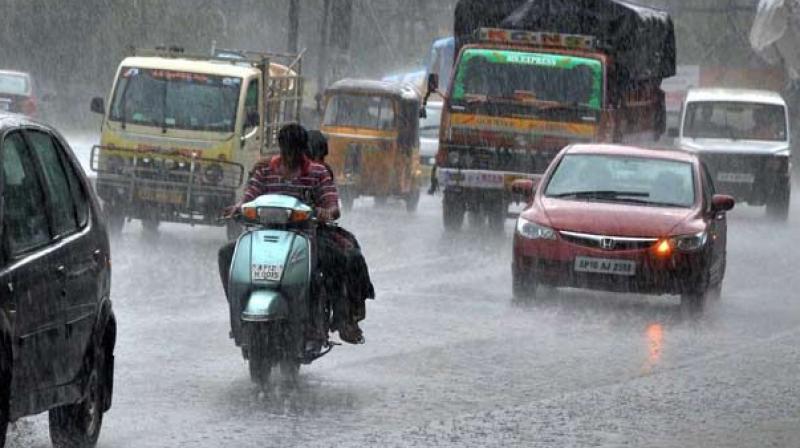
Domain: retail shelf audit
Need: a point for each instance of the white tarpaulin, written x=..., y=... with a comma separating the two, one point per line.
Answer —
x=775, y=33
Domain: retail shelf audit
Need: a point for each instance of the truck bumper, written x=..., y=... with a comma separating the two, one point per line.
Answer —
x=500, y=181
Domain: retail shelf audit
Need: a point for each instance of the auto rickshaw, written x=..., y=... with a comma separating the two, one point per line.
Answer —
x=373, y=135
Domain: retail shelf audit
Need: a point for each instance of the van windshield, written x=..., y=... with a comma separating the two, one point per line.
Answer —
x=176, y=100
x=735, y=121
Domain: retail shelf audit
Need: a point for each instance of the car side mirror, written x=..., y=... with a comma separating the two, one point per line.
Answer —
x=721, y=203
x=98, y=106
x=523, y=189
x=673, y=133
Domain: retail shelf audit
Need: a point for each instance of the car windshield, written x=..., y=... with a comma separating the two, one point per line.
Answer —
x=429, y=126
x=485, y=75
x=176, y=100
x=14, y=84
x=636, y=180
x=736, y=121
x=361, y=111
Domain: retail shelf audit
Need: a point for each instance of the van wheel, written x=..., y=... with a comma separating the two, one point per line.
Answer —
x=5, y=391
x=78, y=425
x=778, y=203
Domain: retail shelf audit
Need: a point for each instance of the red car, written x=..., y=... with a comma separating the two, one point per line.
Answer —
x=17, y=93
x=624, y=219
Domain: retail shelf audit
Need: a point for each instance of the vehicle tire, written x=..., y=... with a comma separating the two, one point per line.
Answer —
x=412, y=201
x=694, y=299
x=150, y=226
x=496, y=213
x=78, y=425
x=258, y=355
x=523, y=286
x=5, y=391
x=453, y=211
x=347, y=199
x=115, y=220
x=475, y=219
x=778, y=203
x=289, y=370
x=233, y=230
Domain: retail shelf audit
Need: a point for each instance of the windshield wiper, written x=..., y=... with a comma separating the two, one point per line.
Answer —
x=612, y=194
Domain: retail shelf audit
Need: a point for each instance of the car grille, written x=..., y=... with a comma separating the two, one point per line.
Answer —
x=610, y=243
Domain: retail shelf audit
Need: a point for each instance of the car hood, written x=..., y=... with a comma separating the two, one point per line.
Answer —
x=713, y=145
x=612, y=219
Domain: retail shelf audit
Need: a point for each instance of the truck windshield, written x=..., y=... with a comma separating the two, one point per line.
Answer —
x=360, y=111
x=535, y=77
x=634, y=180
x=176, y=100
x=735, y=121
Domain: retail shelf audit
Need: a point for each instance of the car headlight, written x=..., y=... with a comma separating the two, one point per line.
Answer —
x=533, y=231
x=690, y=243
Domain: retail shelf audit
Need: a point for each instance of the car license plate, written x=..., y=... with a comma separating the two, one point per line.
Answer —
x=162, y=196
x=605, y=266
x=267, y=272
x=736, y=178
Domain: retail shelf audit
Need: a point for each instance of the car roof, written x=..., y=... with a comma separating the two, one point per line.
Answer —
x=230, y=68
x=737, y=95
x=402, y=90
x=15, y=73
x=631, y=151
x=9, y=120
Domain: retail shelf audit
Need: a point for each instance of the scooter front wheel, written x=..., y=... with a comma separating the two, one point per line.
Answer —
x=258, y=355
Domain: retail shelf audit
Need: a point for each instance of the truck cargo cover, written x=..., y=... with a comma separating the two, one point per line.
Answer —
x=641, y=39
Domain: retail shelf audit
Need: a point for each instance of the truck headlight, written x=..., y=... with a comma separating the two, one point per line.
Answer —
x=533, y=231
x=690, y=243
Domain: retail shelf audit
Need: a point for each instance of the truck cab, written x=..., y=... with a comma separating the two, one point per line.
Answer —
x=743, y=136
x=517, y=98
x=180, y=131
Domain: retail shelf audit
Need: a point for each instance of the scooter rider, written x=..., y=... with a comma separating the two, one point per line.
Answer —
x=292, y=173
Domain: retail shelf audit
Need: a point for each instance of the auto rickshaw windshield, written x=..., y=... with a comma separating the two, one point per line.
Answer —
x=361, y=111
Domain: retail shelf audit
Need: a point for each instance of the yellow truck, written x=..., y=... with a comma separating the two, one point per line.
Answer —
x=180, y=131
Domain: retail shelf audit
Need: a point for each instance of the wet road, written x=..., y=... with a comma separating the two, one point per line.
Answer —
x=449, y=361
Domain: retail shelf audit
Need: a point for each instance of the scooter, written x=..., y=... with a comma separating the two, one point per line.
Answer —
x=279, y=315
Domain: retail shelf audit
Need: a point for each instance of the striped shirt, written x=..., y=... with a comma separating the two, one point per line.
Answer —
x=313, y=183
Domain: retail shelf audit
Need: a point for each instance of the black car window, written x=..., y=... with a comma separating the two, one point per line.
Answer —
x=25, y=220
x=79, y=196
x=59, y=197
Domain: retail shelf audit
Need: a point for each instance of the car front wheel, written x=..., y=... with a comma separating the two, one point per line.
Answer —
x=523, y=286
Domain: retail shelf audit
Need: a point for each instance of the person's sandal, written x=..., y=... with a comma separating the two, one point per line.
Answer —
x=351, y=334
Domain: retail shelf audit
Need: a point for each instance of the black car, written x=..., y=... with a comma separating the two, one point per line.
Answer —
x=57, y=328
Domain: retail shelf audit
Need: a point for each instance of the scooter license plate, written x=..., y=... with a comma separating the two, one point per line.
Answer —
x=267, y=272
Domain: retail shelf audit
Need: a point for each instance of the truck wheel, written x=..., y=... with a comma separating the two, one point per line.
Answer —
x=5, y=391
x=412, y=201
x=778, y=203
x=233, y=230
x=453, y=211
x=78, y=425
x=496, y=212
x=115, y=220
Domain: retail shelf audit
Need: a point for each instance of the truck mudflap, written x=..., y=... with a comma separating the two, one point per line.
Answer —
x=480, y=179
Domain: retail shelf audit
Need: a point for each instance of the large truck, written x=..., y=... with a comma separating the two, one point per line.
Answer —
x=180, y=131
x=533, y=76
